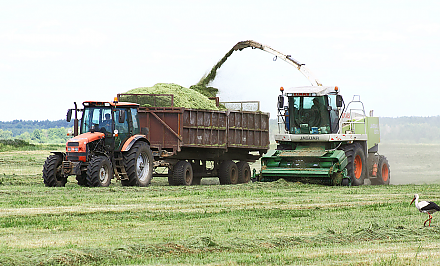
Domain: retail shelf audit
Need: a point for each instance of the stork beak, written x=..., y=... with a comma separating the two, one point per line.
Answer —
x=412, y=201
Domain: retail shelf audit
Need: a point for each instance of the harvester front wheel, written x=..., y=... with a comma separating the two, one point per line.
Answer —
x=99, y=172
x=356, y=166
x=228, y=173
x=52, y=171
x=182, y=173
x=139, y=165
x=244, y=172
x=383, y=172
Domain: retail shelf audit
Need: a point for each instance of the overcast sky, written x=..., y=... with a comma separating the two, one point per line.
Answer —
x=53, y=53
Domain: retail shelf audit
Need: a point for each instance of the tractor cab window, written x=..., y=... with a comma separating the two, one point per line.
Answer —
x=97, y=119
x=135, y=119
x=122, y=128
x=309, y=115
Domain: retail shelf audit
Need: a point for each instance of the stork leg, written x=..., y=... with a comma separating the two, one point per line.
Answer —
x=430, y=217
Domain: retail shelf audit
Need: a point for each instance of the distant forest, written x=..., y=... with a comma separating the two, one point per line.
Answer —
x=401, y=129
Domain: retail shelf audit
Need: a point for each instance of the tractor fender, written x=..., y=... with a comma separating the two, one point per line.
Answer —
x=132, y=140
x=62, y=154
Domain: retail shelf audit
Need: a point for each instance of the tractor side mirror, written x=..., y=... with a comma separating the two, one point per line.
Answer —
x=339, y=100
x=121, y=118
x=280, y=102
x=69, y=115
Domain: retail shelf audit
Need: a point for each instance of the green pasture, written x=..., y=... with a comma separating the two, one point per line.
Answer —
x=277, y=223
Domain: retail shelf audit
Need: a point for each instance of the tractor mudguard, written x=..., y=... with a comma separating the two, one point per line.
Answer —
x=132, y=140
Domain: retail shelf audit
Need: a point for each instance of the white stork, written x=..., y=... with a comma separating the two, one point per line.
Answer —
x=428, y=207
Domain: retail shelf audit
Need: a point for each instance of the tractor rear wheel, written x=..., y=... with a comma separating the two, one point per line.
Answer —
x=99, y=172
x=139, y=165
x=356, y=164
x=244, y=172
x=228, y=173
x=52, y=171
x=182, y=174
x=383, y=172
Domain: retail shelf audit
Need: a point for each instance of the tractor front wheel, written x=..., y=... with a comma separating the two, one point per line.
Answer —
x=139, y=165
x=52, y=171
x=99, y=172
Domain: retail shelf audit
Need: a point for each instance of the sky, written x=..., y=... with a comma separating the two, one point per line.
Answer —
x=54, y=53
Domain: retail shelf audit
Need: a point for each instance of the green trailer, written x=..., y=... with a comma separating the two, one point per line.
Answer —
x=322, y=140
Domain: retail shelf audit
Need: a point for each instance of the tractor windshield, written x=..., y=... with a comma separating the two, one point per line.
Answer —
x=310, y=114
x=98, y=118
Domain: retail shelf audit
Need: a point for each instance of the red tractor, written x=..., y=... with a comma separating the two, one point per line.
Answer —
x=110, y=144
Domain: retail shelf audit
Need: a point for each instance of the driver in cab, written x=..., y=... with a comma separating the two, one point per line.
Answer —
x=106, y=125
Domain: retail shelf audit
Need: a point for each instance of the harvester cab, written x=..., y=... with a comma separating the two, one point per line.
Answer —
x=322, y=140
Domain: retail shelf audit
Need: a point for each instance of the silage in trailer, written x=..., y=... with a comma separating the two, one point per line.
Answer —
x=183, y=97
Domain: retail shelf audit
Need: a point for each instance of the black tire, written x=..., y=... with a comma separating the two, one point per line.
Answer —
x=228, y=173
x=357, y=166
x=99, y=172
x=244, y=172
x=138, y=165
x=82, y=179
x=52, y=171
x=182, y=173
x=383, y=172
x=170, y=177
x=196, y=181
x=345, y=182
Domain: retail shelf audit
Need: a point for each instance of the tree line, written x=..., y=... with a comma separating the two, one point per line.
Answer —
x=35, y=131
x=401, y=129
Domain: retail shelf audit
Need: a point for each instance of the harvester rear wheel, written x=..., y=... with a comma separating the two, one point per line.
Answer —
x=182, y=173
x=52, y=171
x=99, y=172
x=244, y=172
x=356, y=166
x=383, y=172
x=228, y=173
x=139, y=165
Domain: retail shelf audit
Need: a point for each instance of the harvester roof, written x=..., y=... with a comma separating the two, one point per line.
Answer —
x=311, y=91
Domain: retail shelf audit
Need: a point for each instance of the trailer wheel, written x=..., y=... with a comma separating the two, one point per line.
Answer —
x=356, y=164
x=52, y=171
x=139, y=165
x=182, y=173
x=244, y=172
x=383, y=172
x=99, y=172
x=228, y=173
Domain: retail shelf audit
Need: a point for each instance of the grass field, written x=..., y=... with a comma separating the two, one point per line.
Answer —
x=275, y=223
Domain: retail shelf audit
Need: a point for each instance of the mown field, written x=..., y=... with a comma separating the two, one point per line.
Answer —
x=275, y=223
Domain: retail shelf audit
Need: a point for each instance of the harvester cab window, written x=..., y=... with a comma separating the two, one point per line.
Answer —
x=310, y=115
x=334, y=113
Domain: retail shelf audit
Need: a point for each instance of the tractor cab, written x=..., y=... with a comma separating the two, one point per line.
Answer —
x=310, y=110
x=114, y=122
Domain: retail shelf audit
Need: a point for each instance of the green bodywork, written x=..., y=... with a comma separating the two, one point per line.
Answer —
x=311, y=164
